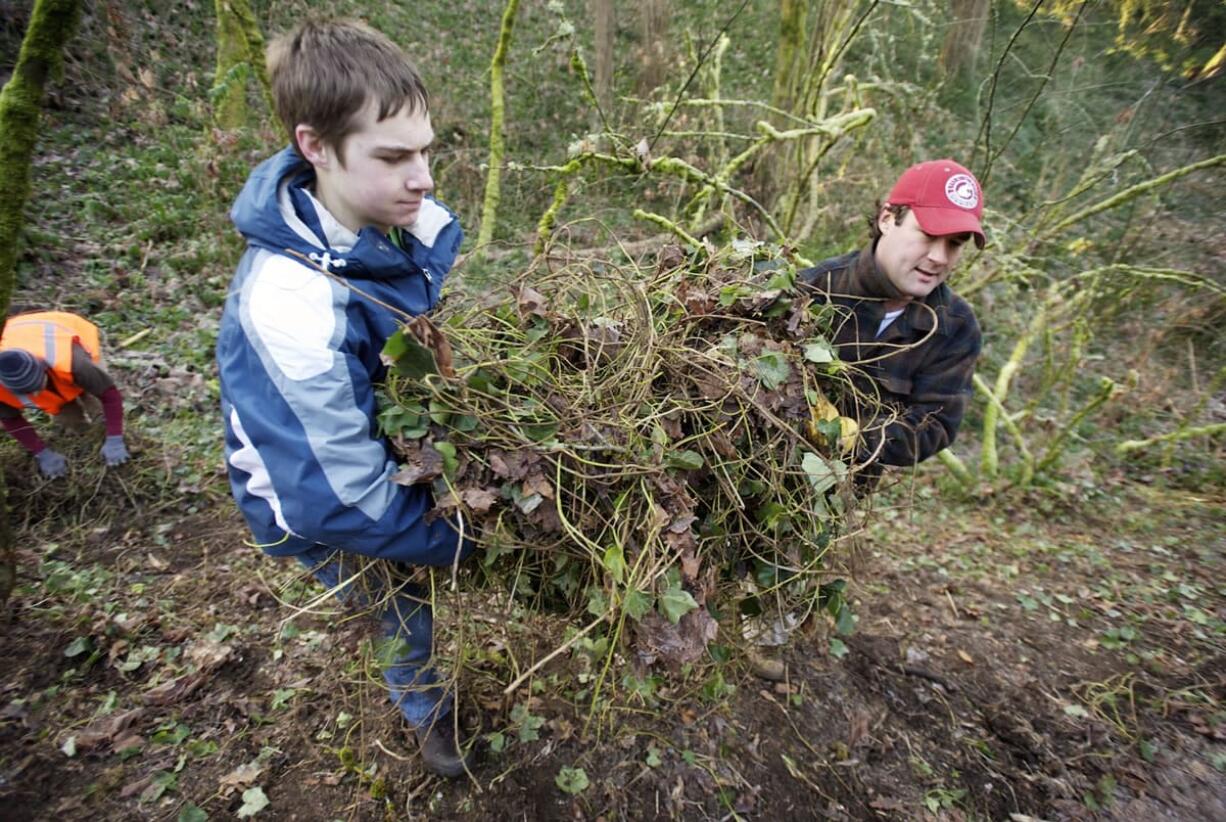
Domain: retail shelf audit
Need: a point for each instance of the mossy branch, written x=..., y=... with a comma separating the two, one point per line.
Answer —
x=1011, y=426
x=1133, y=192
x=544, y=226
x=1172, y=275
x=493, y=180
x=1106, y=389
x=989, y=461
x=673, y=167
x=668, y=225
x=956, y=467
x=1179, y=434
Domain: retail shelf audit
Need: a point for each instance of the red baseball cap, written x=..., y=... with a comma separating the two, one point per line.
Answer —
x=945, y=196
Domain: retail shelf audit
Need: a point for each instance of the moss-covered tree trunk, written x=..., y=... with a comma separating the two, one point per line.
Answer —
x=493, y=179
x=240, y=54
x=788, y=54
x=51, y=24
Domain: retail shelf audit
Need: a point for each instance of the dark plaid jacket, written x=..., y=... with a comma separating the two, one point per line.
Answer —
x=927, y=384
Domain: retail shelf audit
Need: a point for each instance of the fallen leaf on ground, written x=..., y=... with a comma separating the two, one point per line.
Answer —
x=169, y=693
x=104, y=731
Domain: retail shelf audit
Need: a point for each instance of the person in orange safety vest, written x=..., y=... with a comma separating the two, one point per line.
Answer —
x=52, y=361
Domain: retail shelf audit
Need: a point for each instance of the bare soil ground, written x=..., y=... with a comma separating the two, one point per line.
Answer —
x=1036, y=658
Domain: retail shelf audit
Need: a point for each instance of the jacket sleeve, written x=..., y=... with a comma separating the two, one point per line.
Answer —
x=88, y=374
x=302, y=415
x=932, y=414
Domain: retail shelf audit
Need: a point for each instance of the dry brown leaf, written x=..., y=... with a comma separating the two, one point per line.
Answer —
x=104, y=731
x=208, y=655
x=168, y=693
x=428, y=334
x=531, y=301
x=422, y=465
x=243, y=775
x=479, y=500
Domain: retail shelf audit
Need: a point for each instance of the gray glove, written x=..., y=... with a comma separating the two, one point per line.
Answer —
x=51, y=463
x=114, y=451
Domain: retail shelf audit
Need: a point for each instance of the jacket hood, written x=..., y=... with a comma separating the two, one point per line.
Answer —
x=276, y=211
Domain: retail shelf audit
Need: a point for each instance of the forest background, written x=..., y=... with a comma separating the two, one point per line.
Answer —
x=1053, y=579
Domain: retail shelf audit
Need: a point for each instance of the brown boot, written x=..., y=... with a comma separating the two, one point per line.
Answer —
x=440, y=751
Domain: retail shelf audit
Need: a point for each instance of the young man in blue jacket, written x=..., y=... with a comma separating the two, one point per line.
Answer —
x=344, y=243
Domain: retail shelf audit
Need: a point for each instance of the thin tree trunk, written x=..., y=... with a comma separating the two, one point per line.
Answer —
x=52, y=22
x=964, y=35
x=604, y=26
x=653, y=23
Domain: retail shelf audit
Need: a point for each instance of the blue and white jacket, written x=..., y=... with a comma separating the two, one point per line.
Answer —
x=298, y=356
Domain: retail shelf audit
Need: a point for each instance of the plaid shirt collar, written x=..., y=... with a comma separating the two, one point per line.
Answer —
x=867, y=281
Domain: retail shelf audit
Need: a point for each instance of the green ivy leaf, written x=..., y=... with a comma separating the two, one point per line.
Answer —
x=447, y=451
x=440, y=412
x=254, y=801
x=615, y=563
x=731, y=293
x=636, y=604
x=572, y=780
x=172, y=735
x=822, y=475
x=390, y=650
x=820, y=351
x=597, y=602
x=529, y=725
x=676, y=603
x=163, y=781
x=846, y=623
x=403, y=353
x=78, y=646
x=281, y=697
x=685, y=460
x=191, y=813
x=838, y=649
x=771, y=369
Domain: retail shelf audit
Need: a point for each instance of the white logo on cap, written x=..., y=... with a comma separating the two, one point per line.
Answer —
x=961, y=191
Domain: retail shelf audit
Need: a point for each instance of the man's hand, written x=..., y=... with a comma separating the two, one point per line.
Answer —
x=51, y=463
x=114, y=451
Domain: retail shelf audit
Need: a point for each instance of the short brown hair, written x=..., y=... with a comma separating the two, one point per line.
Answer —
x=323, y=72
x=898, y=212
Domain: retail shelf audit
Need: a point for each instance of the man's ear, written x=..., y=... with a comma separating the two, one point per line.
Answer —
x=311, y=146
x=885, y=219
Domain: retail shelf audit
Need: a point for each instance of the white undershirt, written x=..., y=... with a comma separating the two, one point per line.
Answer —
x=890, y=316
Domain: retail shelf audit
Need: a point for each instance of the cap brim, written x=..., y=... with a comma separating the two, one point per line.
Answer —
x=940, y=222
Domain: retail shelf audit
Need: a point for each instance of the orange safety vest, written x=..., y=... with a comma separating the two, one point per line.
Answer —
x=50, y=335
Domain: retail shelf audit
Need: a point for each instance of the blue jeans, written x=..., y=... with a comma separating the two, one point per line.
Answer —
x=407, y=625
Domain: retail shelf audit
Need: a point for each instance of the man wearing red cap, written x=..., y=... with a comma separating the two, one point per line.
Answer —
x=913, y=341
x=51, y=361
